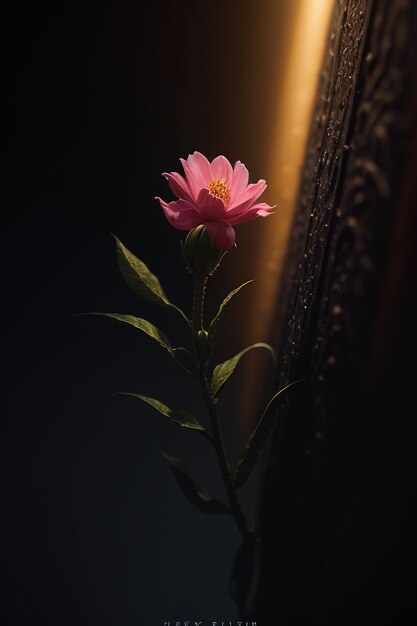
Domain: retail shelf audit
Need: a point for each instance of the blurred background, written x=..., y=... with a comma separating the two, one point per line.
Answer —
x=100, y=99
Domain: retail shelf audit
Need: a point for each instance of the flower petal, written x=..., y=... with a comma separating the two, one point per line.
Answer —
x=222, y=234
x=210, y=207
x=181, y=214
x=257, y=210
x=197, y=173
x=239, y=182
x=247, y=198
x=263, y=209
x=179, y=186
x=221, y=170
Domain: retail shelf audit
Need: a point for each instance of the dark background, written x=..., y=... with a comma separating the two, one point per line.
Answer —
x=99, y=99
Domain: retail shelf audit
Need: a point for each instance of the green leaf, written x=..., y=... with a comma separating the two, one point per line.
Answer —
x=224, y=370
x=195, y=494
x=141, y=280
x=182, y=356
x=179, y=417
x=214, y=322
x=141, y=324
x=257, y=439
x=186, y=360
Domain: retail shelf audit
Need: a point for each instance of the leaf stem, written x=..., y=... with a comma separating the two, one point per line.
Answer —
x=211, y=402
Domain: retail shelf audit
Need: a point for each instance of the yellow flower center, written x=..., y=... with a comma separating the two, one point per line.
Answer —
x=219, y=189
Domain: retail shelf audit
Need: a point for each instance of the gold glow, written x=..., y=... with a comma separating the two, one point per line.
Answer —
x=296, y=92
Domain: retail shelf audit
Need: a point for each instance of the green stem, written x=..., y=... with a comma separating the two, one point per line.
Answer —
x=211, y=402
x=198, y=309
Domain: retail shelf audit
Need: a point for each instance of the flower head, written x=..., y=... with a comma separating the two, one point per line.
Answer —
x=216, y=195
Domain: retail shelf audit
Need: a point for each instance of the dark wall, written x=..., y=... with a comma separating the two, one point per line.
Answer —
x=338, y=514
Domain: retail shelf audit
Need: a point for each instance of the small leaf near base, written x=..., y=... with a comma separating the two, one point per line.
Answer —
x=196, y=495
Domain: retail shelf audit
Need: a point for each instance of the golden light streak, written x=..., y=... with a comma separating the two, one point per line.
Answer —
x=296, y=94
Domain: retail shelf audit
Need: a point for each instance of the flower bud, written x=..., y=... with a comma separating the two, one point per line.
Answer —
x=203, y=345
x=201, y=255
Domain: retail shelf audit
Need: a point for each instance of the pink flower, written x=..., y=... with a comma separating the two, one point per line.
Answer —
x=214, y=194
